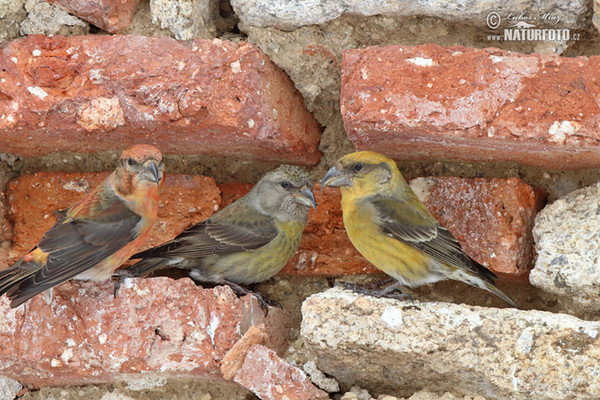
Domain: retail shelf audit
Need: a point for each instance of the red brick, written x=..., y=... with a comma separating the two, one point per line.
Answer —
x=93, y=93
x=491, y=218
x=108, y=15
x=430, y=102
x=33, y=199
x=271, y=378
x=153, y=326
x=234, y=359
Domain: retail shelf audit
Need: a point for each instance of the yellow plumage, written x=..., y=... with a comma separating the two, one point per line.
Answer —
x=393, y=229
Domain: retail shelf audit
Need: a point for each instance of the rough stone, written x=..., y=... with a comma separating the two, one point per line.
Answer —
x=108, y=15
x=188, y=389
x=187, y=19
x=425, y=395
x=12, y=12
x=400, y=347
x=292, y=15
x=34, y=199
x=154, y=328
x=47, y=19
x=199, y=97
x=317, y=377
x=595, y=20
x=271, y=378
x=9, y=388
x=491, y=218
x=567, y=243
x=539, y=110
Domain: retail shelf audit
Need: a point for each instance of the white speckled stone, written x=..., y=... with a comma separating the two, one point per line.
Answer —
x=9, y=388
x=567, y=242
x=47, y=19
x=292, y=14
x=187, y=19
x=444, y=347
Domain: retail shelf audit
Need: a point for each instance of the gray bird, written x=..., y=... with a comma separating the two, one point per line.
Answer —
x=247, y=242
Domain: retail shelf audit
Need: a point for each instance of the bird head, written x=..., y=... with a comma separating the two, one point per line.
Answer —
x=285, y=193
x=363, y=173
x=140, y=166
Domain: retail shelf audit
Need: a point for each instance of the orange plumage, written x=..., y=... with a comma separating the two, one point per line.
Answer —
x=97, y=234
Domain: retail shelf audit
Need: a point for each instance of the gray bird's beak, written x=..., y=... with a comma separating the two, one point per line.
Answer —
x=153, y=169
x=306, y=197
x=335, y=178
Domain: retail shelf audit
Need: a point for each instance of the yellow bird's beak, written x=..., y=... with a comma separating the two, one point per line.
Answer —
x=305, y=196
x=335, y=178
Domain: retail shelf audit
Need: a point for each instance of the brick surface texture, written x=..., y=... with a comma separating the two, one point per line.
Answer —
x=108, y=15
x=430, y=102
x=271, y=378
x=154, y=326
x=94, y=93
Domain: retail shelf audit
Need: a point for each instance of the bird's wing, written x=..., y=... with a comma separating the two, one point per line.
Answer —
x=411, y=223
x=91, y=231
x=234, y=229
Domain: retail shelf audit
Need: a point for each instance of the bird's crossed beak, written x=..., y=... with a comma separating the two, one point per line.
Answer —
x=306, y=197
x=154, y=172
x=335, y=178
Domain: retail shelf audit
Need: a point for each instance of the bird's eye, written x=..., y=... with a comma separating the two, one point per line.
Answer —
x=285, y=185
x=130, y=161
x=358, y=166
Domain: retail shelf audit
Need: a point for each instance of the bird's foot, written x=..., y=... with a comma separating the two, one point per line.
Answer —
x=378, y=289
x=264, y=302
x=120, y=275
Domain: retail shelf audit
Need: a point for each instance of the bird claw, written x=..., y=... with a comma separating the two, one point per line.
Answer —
x=375, y=289
x=264, y=302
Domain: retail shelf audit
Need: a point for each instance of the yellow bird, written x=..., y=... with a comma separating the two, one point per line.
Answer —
x=393, y=229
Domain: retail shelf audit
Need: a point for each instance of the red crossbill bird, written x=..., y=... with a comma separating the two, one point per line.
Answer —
x=96, y=235
x=393, y=229
x=249, y=241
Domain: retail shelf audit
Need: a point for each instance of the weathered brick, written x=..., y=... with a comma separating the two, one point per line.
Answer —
x=432, y=102
x=92, y=93
x=271, y=378
x=491, y=218
x=108, y=15
x=234, y=359
x=155, y=327
x=34, y=199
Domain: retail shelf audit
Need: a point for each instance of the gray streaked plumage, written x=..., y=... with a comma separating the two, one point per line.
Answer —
x=247, y=242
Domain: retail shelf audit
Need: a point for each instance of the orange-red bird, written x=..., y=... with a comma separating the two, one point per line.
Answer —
x=97, y=234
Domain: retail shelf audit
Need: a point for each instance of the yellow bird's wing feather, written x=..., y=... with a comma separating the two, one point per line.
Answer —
x=410, y=222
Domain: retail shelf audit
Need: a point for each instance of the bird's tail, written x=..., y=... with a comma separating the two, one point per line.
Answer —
x=490, y=287
x=485, y=283
x=146, y=266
